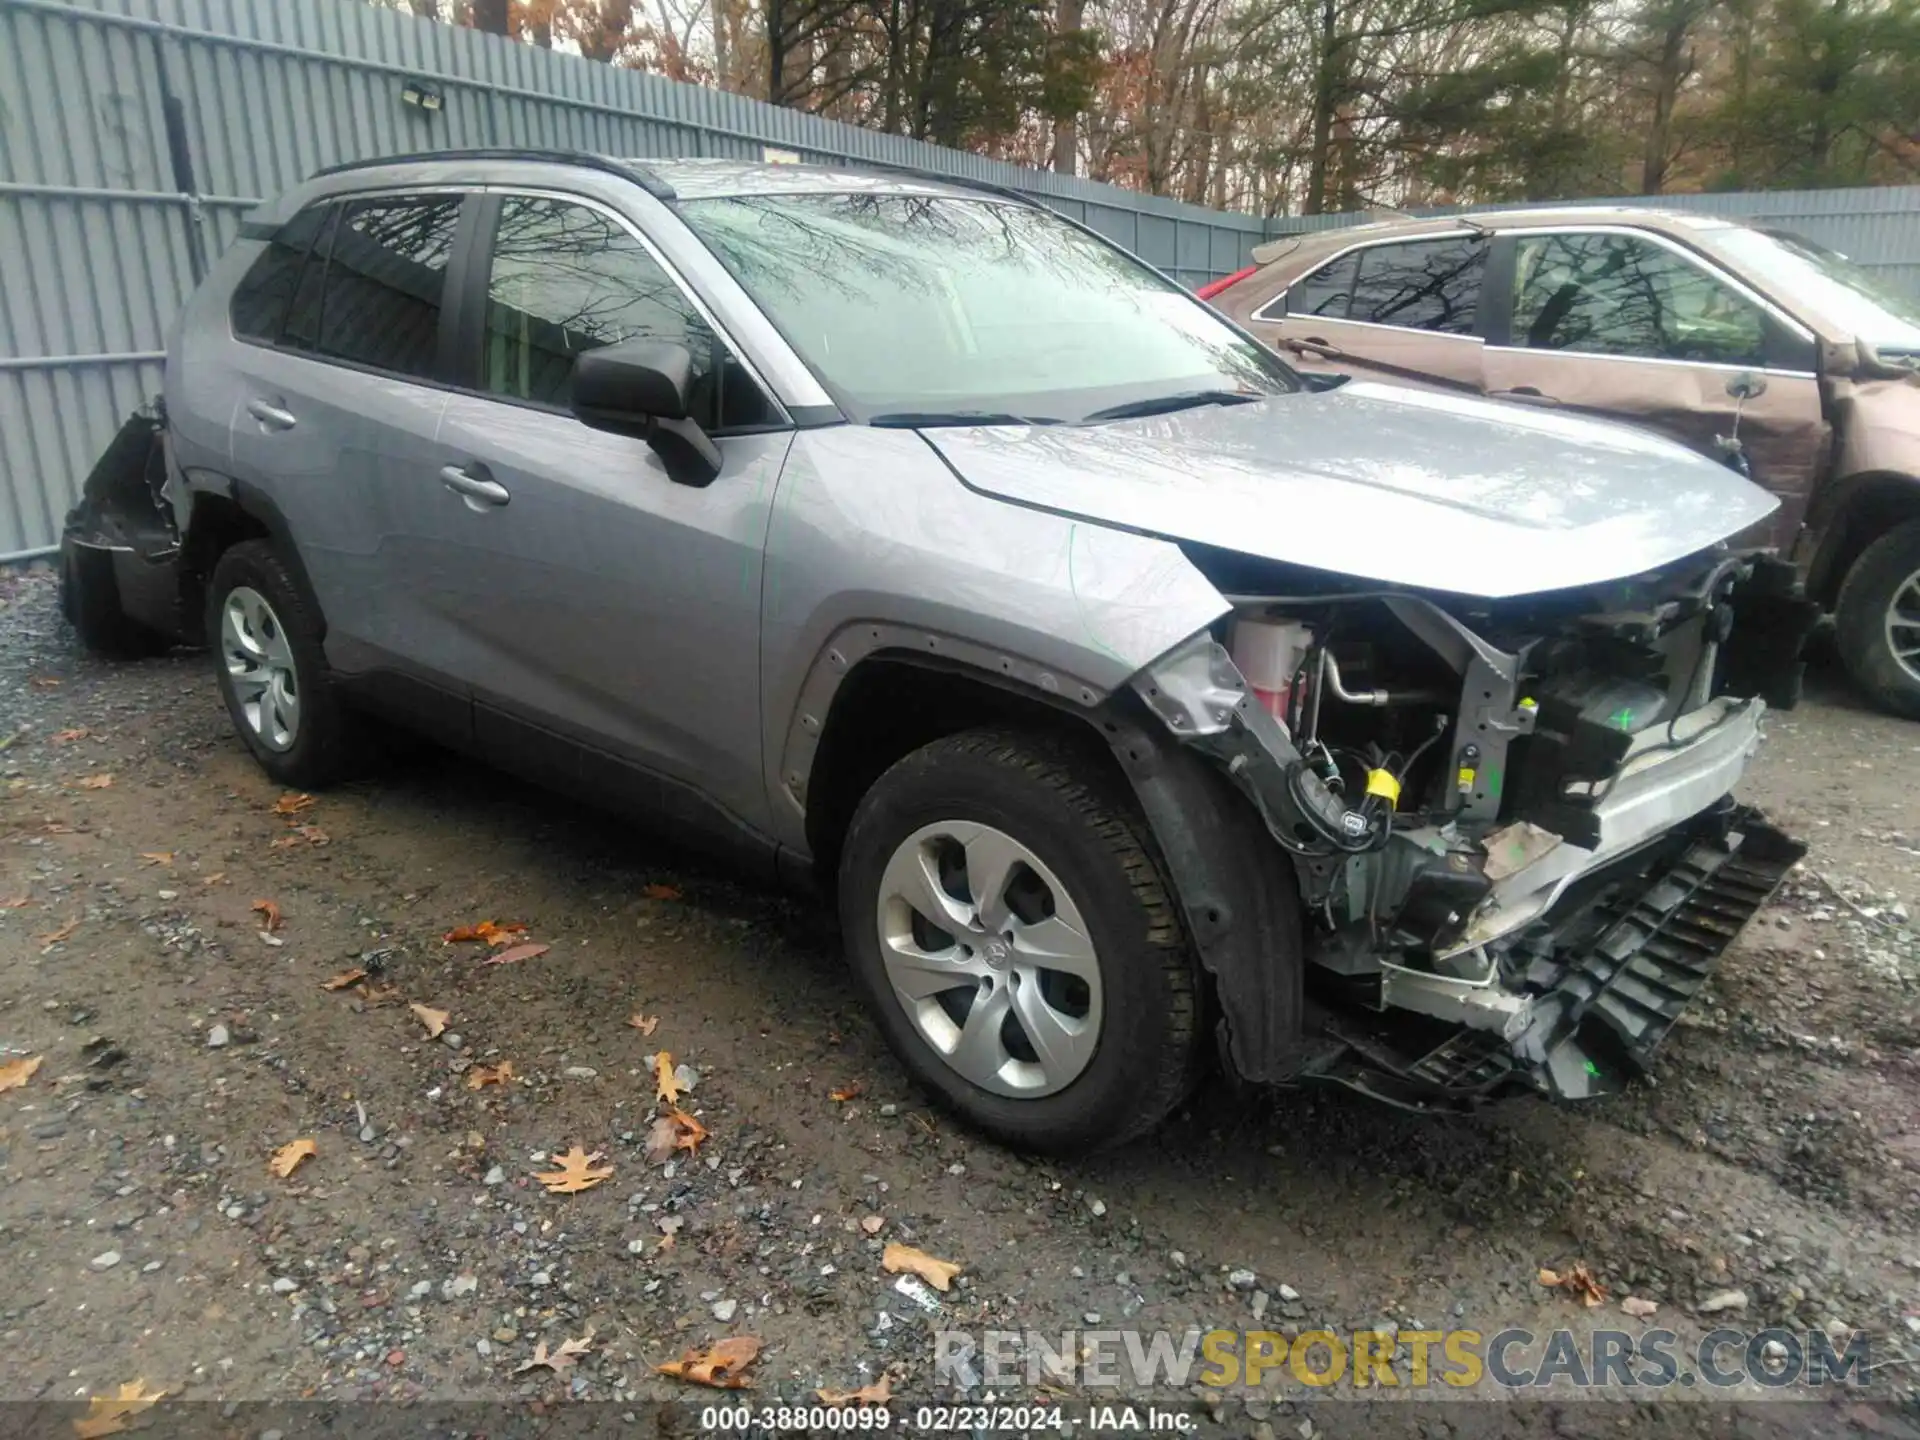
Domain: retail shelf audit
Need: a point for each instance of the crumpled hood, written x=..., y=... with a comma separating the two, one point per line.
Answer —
x=1406, y=487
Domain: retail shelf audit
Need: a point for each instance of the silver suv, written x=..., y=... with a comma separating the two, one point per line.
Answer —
x=1143, y=699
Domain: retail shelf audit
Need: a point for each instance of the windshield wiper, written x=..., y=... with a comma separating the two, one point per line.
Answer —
x=928, y=419
x=1166, y=404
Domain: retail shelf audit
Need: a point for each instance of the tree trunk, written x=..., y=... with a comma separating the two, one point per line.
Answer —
x=1668, y=73
x=425, y=9
x=720, y=43
x=1069, y=16
x=491, y=16
x=1326, y=99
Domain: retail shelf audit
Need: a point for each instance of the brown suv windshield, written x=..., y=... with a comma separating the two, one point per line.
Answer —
x=1828, y=281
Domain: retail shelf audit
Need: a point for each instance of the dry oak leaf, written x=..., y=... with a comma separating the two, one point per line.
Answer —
x=516, y=953
x=1578, y=1282
x=285, y=842
x=54, y=937
x=576, y=1172
x=44, y=682
x=313, y=834
x=434, y=1020
x=486, y=930
x=645, y=1024
x=269, y=914
x=16, y=1073
x=658, y=891
x=344, y=979
x=1638, y=1308
x=288, y=1157
x=67, y=737
x=17, y=902
x=666, y=1088
x=96, y=782
x=157, y=857
x=569, y=1352
x=846, y=1093
x=878, y=1393
x=937, y=1273
x=107, y=1414
x=676, y=1130
x=215, y=878
x=481, y=1075
x=718, y=1365
x=292, y=803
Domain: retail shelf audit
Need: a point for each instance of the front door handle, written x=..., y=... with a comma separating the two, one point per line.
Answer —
x=479, y=491
x=1525, y=394
x=271, y=416
x=1314, y=345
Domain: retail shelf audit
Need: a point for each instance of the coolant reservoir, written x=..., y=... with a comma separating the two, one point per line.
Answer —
x=1268, y=652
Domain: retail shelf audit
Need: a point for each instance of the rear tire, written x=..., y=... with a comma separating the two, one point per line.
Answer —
x=265, y=641
x=1090, y=1050
x=1878, y=617
x=90, y=599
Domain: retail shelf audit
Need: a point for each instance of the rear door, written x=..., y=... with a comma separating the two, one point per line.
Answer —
x=1622, y=323
x=602, y=606
x=338, y=416
x=1403, y=310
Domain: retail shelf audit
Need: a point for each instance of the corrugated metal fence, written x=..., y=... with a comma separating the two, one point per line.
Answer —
x=134, y=134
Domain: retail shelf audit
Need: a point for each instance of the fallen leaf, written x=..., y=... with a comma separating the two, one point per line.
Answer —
x=381, y=994
x=54, y=937
x=269, y=913
x=312, y=834
x=1638, y=1308
x=16, y=902
x=1578, y=1282
x=285, y=842
x=718, y=1365
x=657, y=891
x=667, y=1089
x=645, y=1024
x=67, y=737
x=292, y=803
x=107, y=1414
x=288, y=1157
x=481, y=1075
x=44, y=682
x=96, y=782
x=57, y=827
x=157, y=857
x=434, y=1020
x=215, y=878
x=878, y=1393
x=676, y=1130
x=937, y=1273
x=344, y=979
x=576, y=1173
x=873, y=1224
x=16, y=1073
x=846, y=1093
x=486, y=930
x=569, y=1352
x=517, y=953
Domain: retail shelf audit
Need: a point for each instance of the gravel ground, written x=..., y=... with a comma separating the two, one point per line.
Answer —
x=415, y=1257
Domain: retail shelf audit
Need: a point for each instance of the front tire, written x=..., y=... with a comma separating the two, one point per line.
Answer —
x=1877, y=621
x=1009, y=921
x=265, y=641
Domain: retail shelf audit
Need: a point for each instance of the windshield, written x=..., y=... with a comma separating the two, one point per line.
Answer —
x=1870, y=308
x=926, y=305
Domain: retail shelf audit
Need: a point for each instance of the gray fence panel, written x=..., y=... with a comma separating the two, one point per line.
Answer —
x=100, y=243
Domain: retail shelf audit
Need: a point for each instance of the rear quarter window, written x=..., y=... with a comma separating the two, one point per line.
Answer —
x=258, y=309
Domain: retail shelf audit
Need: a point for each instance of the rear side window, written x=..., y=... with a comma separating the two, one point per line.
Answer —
x=265, y=293
x=567, y=278
x=1327, y=291
x=1422, y=285
x=380, y=301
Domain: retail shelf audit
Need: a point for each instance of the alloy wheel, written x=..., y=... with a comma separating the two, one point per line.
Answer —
x=260, y=667
x=990, y=958
x=1903, y=626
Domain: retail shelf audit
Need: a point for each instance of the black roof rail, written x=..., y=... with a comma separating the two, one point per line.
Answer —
x=915, y=172
x=585, y=159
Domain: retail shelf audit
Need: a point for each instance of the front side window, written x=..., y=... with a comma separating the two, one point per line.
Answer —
x=567, y=278
x=1613, y=294
x=380, y=301
x=261, y=300
x=937, y=304
x=1422, y=284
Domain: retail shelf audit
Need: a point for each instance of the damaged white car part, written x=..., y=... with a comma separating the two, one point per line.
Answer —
x=1509, y=819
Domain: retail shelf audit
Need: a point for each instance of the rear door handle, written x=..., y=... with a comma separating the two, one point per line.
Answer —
x=1525, y=394
x=271, y=416
x=478, y=490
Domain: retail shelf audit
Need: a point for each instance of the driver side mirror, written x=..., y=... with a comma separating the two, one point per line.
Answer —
x=644, y=388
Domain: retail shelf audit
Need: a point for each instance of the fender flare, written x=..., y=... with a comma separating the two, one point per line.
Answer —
x=254, y=503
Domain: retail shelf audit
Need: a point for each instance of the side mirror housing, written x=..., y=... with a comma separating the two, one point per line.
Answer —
x=644, y=388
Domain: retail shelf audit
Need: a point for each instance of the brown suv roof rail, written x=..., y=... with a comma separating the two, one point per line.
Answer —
x=585, y=159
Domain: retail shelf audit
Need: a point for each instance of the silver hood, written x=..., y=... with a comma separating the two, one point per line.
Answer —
x=1407, y=487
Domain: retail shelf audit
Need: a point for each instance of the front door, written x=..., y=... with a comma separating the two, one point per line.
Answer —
x=609, y=616
x=1618, y=323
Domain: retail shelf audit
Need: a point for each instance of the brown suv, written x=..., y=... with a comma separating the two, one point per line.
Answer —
x=1784, y=358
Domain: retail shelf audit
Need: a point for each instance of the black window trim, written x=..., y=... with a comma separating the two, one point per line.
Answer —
x=469, y=358
x=451, y=296
x=1786, y=340
x=1275, y=309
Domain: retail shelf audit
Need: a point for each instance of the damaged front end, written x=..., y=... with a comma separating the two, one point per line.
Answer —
x=1510, y=820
